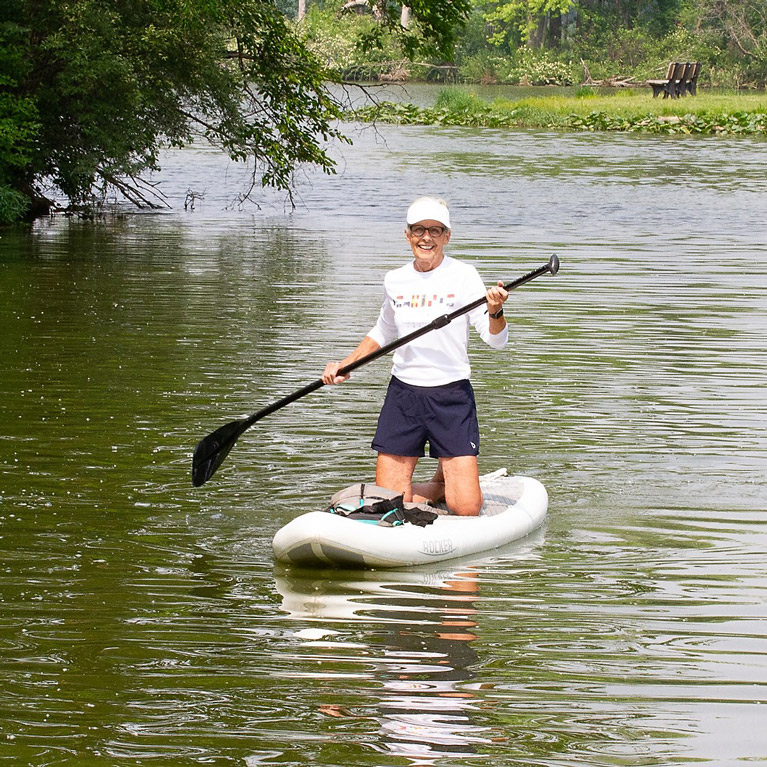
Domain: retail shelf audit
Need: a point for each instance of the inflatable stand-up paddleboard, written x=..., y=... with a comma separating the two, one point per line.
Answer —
x=513, y=507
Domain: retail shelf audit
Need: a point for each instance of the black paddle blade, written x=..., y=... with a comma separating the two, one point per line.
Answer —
x=213, y=449
x=554, y=264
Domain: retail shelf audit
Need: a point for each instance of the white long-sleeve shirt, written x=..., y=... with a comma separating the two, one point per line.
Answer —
x=412, y=299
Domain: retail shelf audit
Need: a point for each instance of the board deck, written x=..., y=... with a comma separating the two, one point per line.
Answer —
x=514, y=506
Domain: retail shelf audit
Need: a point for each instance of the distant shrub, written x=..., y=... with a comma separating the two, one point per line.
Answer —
x=485, y=67
x=539, y=68
x=13, y=205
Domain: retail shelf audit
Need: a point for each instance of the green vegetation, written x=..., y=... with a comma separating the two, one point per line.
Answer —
x=90, y=92
x=736, y=113
x=562, y=42
x=96, y=89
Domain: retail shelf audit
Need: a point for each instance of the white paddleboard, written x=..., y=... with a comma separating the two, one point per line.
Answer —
x=514, y=506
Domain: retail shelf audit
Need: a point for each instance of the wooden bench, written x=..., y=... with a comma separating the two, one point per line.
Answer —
x=690, y=79
x=681, y=79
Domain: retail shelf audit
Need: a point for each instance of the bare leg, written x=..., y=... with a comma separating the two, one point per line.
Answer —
x=456, y=480
x=462, y=491
x=395, y=472
x=433, y=490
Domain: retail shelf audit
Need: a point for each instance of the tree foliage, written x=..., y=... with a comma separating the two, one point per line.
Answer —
x=19, y=123
x=97, y=89
x=636, y=37
x=437, y=25
x=524, y=21
x=93, y=90
x=741, y=23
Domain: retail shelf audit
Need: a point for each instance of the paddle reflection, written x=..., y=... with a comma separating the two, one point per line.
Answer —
x=417, y=628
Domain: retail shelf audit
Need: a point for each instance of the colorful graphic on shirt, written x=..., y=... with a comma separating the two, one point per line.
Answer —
x=423, y=300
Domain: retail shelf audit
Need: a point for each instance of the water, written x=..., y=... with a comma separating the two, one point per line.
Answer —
x=144, y=622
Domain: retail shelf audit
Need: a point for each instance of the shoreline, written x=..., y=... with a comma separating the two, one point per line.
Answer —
x=628, y=110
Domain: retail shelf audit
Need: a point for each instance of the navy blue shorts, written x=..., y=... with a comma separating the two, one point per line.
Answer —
x=444, y=416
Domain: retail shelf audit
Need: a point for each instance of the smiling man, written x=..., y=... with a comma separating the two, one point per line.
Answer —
x=429, y=398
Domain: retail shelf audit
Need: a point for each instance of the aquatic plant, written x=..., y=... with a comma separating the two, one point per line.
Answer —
x=735, y=114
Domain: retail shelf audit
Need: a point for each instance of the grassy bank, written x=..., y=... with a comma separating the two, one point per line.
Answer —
x=624, y=110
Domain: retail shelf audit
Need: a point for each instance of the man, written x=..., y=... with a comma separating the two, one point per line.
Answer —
x=429, y=398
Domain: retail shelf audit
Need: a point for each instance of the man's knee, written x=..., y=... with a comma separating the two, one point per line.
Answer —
x=465, y=503
x=463, y=494
x=466, y=507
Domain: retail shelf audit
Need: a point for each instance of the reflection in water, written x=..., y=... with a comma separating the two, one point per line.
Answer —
x=422, y=652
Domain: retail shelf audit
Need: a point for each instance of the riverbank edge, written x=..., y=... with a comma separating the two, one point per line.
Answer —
x=526, y=115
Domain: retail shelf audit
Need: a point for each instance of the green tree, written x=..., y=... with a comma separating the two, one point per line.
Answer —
x=18, y=125
x=435, y=27
x=526, y=22
x=431, y=28
x=741, y=26
x=654, y=17
x=93, y=90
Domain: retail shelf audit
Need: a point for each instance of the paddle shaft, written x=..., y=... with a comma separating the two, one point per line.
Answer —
x=435, y=324
x=213, y=449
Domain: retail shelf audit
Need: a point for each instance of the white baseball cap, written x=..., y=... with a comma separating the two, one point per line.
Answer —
x=428, y=209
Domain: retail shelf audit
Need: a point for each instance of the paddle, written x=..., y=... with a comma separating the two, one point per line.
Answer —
x=213, y=449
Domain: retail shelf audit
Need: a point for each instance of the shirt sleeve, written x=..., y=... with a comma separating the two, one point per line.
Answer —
x=480, y=319
x=385, y=329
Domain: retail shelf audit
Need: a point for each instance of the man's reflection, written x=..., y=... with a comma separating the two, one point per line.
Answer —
x=419, y=628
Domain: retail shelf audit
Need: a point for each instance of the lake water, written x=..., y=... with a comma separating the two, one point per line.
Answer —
x=144, y=621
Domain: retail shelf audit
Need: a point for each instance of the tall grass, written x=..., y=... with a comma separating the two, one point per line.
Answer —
x=459, y=100
x=631, y=104
x=626, y=110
